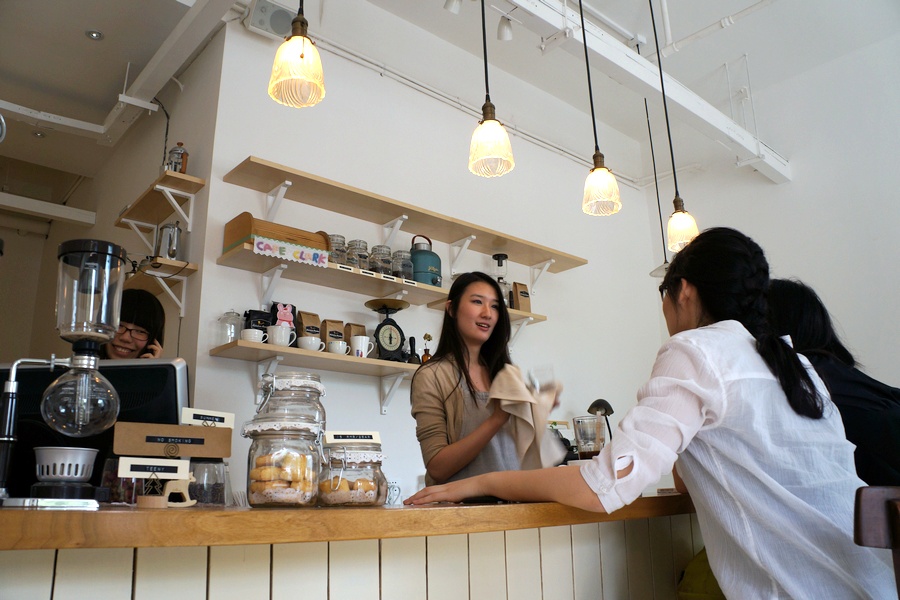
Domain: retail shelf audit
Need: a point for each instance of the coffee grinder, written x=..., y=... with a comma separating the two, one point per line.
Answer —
x=81, y=402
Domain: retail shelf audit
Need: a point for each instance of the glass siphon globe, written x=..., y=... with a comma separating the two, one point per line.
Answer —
x=80, y=403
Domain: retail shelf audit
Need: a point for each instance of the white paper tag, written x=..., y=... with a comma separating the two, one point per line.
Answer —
x=164, y=468
x=206, y=418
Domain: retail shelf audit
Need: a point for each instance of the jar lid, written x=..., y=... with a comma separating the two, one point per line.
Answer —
x=273, y=424
x=381, y=249
x=293, y=380
x=355, y=455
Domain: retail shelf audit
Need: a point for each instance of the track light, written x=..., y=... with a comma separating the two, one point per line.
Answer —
x=504, y=29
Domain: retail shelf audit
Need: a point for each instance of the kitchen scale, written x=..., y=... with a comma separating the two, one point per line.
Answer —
x=389, y=338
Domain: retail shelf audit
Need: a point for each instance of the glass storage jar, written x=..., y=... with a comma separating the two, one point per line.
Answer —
x=338, y=249
x=358, y=250
x=380, y=259
x=351, y=474
x=284, y=460
x=402, y=264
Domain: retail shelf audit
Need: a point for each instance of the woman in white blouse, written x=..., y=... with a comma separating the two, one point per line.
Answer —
x=759, y=444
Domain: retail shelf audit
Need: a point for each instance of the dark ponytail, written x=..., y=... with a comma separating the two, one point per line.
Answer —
x=731, y=274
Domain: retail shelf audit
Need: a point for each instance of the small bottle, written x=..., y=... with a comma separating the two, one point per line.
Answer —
x=402, y=265
x=338, y=249
x=358, y=250
x=178, y=158
x=380, y=260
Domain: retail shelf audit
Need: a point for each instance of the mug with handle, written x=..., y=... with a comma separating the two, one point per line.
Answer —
x=361, y=346
x=310, y=343
x=338, y=347
x=254, y=335
x=280, y=335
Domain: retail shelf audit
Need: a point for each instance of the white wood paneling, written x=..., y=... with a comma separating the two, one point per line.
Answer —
x=353, y=570
x=682, y=543
x=637, y=557
x=556, y=563
x=586, y=566
x=93, y=573
x=170, y=573
x=448, y=567
x=403, y=570
x=661, y=561
x=300, y=566
x=487, y=566
x=239, y=572
x=696, y=535
x=26, y=574
x=523, y=564
x=612, y=560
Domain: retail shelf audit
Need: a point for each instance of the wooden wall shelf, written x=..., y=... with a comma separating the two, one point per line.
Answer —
x=152, y=206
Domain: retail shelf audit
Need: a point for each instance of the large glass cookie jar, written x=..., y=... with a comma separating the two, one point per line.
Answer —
x=284, y=460
x=352, y=472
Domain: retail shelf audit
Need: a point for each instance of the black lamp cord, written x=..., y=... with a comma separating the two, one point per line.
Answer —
x=487, y=87
x=587, y=65
x=662, y=87
x=166, y=136
x=662, y=232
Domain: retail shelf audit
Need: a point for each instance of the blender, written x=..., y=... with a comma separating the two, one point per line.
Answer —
x=80, y=402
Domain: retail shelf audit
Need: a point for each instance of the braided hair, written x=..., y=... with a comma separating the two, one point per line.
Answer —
x=731, y=274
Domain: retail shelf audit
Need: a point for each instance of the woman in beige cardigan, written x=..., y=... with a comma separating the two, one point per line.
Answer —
x=461, y=431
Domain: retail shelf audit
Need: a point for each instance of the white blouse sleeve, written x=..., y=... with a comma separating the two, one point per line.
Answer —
x=684, y=393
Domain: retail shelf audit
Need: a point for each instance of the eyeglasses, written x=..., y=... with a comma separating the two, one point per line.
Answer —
x=663, y=288
x=140, y=335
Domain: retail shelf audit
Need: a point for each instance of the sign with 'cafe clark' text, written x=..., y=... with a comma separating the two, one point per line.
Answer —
x=293, y=252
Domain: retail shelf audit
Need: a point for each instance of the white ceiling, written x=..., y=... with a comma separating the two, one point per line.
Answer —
x=48, y=65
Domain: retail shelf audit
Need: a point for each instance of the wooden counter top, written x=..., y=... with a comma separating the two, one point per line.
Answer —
x=125, y=527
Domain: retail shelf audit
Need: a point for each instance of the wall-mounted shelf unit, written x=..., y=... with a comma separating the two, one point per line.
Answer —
x=168, y=194
x=391, y=373
x=265, y=176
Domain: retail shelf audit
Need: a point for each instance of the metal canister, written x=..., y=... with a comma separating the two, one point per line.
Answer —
x=426, y=263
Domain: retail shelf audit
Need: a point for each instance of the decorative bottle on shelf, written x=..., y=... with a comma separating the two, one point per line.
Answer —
x=178, y=158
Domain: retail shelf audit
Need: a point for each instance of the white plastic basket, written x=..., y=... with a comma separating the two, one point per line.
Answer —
x=63, y=463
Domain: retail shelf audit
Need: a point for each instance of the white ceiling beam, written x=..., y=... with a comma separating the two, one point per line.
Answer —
x=636, y=73
x=48, y=210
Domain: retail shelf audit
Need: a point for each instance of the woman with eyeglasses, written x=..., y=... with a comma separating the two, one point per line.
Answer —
x=142, y=324
x=758, y=443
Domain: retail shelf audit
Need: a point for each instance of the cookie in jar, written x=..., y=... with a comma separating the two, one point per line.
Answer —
x=352, y=473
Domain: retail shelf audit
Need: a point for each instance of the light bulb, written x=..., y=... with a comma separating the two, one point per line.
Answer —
x=297, y=77
x=601, y=193
x=490, y=153
x=682, y=228
x=81, y=402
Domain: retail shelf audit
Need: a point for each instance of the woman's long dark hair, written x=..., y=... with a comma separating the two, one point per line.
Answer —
x=494, y=352
x=796, y=310
x=731, y=274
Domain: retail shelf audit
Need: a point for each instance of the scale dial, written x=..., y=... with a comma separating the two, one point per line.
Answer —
x=389, y=338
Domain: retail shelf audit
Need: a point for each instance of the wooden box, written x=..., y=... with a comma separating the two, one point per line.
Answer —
x=185, y=441
x=244, y=227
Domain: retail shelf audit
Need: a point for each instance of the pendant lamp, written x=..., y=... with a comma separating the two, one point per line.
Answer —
x=297, y=78
x=682, y=227
x=601, y=191
x=490, y=153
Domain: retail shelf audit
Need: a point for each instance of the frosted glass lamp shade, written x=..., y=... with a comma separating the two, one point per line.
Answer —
x=297, y=77
x=490, y=154
x=682, y=228
x=601, y=193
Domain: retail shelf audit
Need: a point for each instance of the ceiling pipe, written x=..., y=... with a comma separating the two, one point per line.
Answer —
x=723, y=23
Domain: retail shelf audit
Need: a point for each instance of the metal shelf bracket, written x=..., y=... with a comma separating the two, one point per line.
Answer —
x=168, y=193
x=267, y=365
x=462, y=246
x=538, y=270
x=268, y=283
x=387, y=393
x=519, y=325
x=136, y=226
x=274, y=198
x=391, y=228
x=162, y=281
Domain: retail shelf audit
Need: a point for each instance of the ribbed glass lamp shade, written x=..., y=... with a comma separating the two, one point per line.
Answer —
x=490, y=153
x=601, y=193
x=297, y=77
x=682, y=228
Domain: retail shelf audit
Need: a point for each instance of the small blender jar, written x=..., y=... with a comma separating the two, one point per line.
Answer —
x=284, y=459
x=352, y=474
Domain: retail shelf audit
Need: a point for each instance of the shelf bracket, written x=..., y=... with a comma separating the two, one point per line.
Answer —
x=168, y=192
x=519, y=325
x=136, y=226
x=393, y=382
x=268, y=284
x=540, y=269
x=267, y=365
x=274, y=198
x=462, y=245
x=399, y=295
x=394, y=227
x=161, y=280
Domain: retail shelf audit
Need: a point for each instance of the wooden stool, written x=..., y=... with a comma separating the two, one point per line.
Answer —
x=877, y=521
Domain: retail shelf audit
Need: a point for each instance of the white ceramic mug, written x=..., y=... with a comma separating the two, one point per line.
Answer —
x=280, y=335
x=338, y=347
x=361, y=346
x=254, y=335
x=308, y=342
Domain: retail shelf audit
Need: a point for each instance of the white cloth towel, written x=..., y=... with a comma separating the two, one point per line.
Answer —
x=528, y=413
